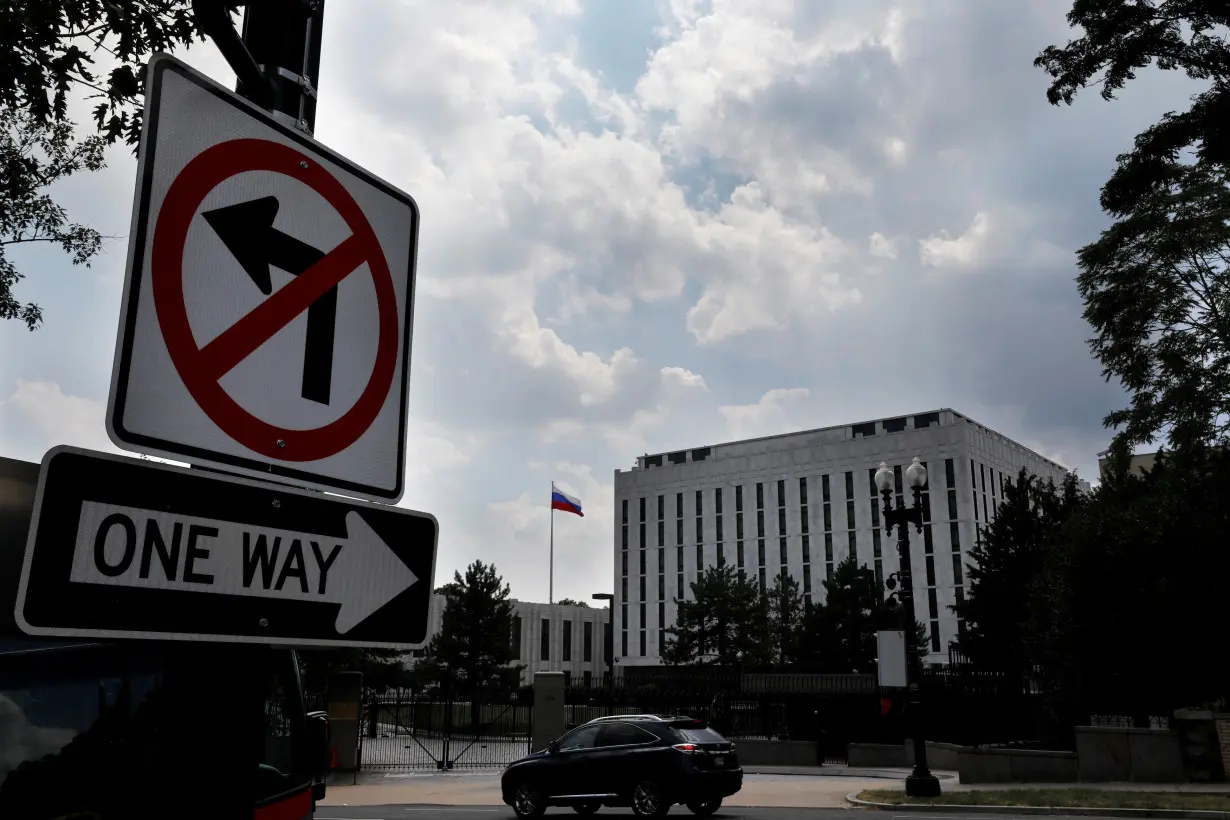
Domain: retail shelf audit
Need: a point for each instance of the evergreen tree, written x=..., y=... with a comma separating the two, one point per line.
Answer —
x=786, y=615
x=841, y=632
x=1006, y=563
x=725, y=624
x=472, y=653
x=572, y=602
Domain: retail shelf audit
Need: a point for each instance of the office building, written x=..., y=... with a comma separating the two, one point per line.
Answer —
x=548, y=639
x=799, y=504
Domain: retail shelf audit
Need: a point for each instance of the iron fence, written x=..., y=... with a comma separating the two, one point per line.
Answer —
x=405, y=731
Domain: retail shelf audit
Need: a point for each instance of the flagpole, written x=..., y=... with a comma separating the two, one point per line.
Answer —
x=551, y=582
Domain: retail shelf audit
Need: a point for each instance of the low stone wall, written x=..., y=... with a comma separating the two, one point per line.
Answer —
x=777, y=753
x=1007, y=765
x=1113, y=754
x=878, y=755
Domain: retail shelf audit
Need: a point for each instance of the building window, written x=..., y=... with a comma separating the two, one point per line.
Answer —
x=717, y=501
x=624, y=538
x=763, y=586
x=661, y=507
x=700, y=499
x=759, y=495
x=567, y=647
x=679, y=594
x=544, y=641
x=828, y=517
x=806, y=549
x=643, y=647
x=661, y=533
x=623, y=588
x=699, y=530
x=803, y=491
x=642, y=554
x=642, y=509
x=679, y=531
x=954, y=535
x=807, y=579
x=958, y=575
x=852, y=538
x=781, y=545
x=679, y=560
x=824, y=489
x=781, y=520
x=760, y=553
x=930, y=570
x=516, y=637
x=700, y=558
x=623, y=557
x=623, y=643
x=738, y=525
x=781, y=492
x=641, y=533
x=718, y=526
x=849, y=484
x=950, y=474
x=739, y=553
x=624, y=507
x=739, y=498
x=661, y=586
x=760, y=523
x=643, y=596
x=587, y=642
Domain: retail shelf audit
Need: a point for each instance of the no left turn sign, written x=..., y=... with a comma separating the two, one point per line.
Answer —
x=268, y=302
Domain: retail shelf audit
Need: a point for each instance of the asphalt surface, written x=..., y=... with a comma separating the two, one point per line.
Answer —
x=732, y=813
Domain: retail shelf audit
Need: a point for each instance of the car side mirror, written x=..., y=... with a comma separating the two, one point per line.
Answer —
x=553, y=747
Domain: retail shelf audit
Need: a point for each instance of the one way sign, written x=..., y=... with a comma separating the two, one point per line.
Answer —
x=126, y=548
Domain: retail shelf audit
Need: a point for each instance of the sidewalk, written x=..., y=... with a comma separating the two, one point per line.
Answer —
x=765, y=786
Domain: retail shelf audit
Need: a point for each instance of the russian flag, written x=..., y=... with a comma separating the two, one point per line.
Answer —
x=565, y=502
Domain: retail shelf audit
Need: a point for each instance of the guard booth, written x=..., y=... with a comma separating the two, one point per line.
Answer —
x=129, y=730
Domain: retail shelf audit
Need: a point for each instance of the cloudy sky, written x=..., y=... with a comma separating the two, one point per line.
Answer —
x=657, y=224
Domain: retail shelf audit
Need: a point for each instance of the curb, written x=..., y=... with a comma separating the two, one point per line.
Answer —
x=822, y=771
x=1173, y=814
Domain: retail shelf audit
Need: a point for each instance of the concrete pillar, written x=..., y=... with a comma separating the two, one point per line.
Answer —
x=550, y=714
x=345, y=693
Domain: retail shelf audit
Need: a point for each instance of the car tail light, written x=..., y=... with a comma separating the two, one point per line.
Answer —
x=689, y=748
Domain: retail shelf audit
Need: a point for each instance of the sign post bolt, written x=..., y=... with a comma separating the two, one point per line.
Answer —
x=281, y=443
x=264, y=622
x=276, y=503
x=303, y=165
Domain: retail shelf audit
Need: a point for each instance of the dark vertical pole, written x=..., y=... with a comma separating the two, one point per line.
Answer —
x=283, y=37
x=921, y=782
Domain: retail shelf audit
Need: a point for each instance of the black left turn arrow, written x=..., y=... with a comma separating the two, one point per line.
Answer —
x=248, y=233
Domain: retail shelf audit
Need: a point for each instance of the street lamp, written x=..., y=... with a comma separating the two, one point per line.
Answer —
x=920, y=783
x=610, y=628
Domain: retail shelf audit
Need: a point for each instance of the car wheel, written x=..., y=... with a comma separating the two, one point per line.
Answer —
x=704, y=808
x=648, y=800
x=586, y=809
x=528, y=801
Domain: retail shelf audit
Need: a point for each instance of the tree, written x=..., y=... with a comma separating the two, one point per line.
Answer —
x=841, y=632
x=572, y=602
x=47, y=50
x=381, y=668
x=1006, y=562
x=473, y=651
x=1155, y=283
x=785, y=615
x=725, y=623
x=33, y=157
x=1142, y=564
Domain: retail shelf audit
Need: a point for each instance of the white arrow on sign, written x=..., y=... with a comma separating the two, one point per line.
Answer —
x=131, y=547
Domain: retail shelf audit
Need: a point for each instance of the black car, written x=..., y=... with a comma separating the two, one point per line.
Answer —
x=648, y=762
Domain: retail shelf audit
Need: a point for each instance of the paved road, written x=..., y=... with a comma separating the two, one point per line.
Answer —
x=733, y=813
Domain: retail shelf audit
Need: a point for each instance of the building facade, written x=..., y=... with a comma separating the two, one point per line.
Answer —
x=549, y=639
x=798, y=505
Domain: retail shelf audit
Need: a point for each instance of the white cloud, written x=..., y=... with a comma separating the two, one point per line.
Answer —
x=941, y=251
x=52, y=417
x=882, y=246
x=779, y=411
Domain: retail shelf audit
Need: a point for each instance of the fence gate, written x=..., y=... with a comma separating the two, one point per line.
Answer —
x=403, y=732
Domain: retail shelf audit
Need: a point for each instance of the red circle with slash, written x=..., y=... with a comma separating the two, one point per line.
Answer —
x=202, y=368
